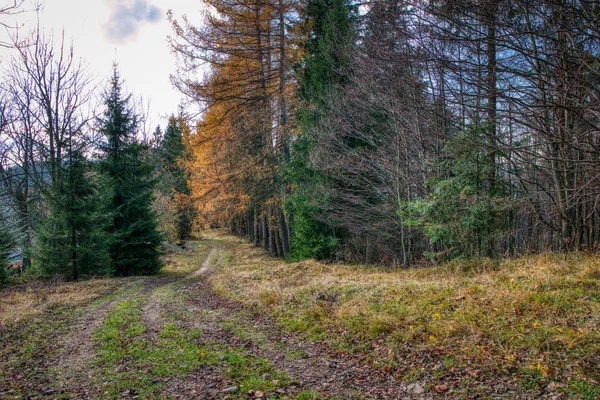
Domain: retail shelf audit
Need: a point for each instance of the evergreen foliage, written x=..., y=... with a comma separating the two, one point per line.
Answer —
x=462, y=216
x=72, y=238
x=330, y=30
x=7, y=244
x=312, y=238
x=135, y=240
x=174, y=179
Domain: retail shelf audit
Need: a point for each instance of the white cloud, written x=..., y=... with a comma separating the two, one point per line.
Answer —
x=126, y=18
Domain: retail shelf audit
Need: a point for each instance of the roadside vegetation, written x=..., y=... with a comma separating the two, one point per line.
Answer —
x=459, y=327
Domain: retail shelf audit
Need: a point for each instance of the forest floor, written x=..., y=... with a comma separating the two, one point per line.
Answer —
x=225, y=321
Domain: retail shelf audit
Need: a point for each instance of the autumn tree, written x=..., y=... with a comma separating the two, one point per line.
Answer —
x=247, y=98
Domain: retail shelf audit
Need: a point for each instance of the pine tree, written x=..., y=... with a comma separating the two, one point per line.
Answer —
x=135, y=239
x=72, y=239
x=330, y=32
x=174, y=177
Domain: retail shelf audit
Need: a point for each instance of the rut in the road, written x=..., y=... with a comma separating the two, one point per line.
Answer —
x=72, y=364
x=206, y=265
x=314, y=370
x=311, y=366
x=78, y=344
x=151, y=311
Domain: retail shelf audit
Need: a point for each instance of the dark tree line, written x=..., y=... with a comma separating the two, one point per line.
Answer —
x=415, y=128
x=476, y=121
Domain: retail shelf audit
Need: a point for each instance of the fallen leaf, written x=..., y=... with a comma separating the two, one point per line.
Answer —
x=440, y=388
x=475, y=373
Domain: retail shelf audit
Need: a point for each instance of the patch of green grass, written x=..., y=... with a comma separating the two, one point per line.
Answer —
x=309, y=395
x=450, y=361
x=239, y=329
x=251, y=372
x=302, y=322
x=243, y=331
x=128, y=361
x=583, y=390
x=295, y=354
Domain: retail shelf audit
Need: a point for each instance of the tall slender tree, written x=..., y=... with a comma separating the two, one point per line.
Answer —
x=135, y=240
x=248, y=48
x=174, y=177
x=329, y=33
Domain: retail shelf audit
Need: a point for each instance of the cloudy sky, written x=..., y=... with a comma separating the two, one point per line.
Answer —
x=133, y=31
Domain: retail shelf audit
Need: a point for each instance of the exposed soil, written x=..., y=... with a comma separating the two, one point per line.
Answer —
x=206, y=265
x=152, y=318
x=78, y=345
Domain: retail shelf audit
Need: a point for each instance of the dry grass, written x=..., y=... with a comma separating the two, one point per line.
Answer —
x=24, y=302
x=536, y=319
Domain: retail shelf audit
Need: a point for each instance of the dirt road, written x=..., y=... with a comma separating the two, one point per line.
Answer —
x=171, y=336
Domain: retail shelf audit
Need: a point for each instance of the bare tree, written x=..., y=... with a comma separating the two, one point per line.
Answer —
x=7, y=10
x=47, y=94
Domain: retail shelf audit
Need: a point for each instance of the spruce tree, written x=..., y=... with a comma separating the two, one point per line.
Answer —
x=326, y=64
x=7, y=244
x=135, y=240
x=174, y=177
x=462, y=218
x=72, y=240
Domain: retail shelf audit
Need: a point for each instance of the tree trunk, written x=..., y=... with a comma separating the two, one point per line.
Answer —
x=272, y=244
x=75, y=264
x=283, y=231
x=249, y=226
x=492, y=94
x=265, y=231
x=255, y=227
x=278, y=244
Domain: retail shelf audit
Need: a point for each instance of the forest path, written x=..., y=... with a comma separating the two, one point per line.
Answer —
x=309, y=369
x=171, y=336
